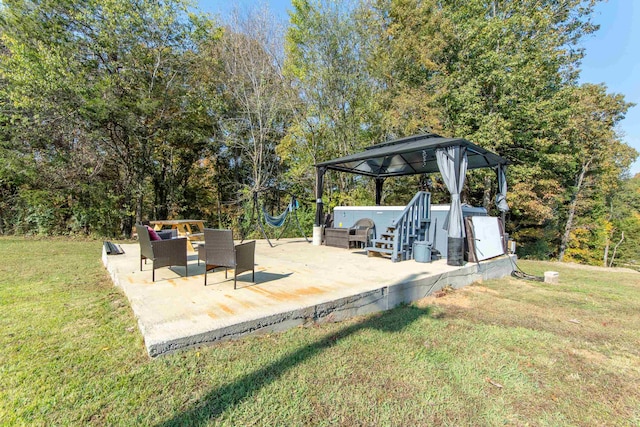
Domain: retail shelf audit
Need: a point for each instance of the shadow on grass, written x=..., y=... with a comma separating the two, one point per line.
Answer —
x=220, y=399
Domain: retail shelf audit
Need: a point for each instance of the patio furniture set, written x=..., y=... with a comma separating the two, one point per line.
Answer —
x=192, y=229
x=165, y=249
x=359, y=235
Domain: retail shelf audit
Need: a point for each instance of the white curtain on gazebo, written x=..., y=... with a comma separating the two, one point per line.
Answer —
x=452, y=162
x=501, y=196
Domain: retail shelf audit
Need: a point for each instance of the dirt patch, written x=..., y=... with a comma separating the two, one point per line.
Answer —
x=591, y=356
x=617, y=362
x=452, y=297
x=480, y=289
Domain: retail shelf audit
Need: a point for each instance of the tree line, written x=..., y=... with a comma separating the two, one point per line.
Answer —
x=117, y=111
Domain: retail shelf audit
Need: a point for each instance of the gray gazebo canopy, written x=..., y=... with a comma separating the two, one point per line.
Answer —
x=409, y=156
x=416, y=155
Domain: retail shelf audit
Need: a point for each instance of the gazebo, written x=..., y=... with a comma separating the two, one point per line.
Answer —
x=421, y=154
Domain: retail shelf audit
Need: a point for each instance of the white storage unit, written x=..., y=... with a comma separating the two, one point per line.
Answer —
x=383, y=216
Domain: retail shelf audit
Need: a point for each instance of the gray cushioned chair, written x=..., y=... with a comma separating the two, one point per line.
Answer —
x=162, y=253
x=220, y=251
x=167, y=234
x=363, y=231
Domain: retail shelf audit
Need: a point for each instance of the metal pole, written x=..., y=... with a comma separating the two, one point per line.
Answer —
x=319, y=190
x=379, y=184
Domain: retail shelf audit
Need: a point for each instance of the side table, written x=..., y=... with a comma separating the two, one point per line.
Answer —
x=337, y=237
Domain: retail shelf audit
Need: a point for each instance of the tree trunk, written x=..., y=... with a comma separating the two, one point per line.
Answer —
x=139, y=205
x=219, y=206
x=615, y=249
x=572, y=211
x=609, y=236
x=605, y=258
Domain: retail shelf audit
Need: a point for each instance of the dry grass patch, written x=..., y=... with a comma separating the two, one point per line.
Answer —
x=579, y=342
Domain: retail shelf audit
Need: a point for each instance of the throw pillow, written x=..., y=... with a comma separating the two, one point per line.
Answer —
x=152, y=234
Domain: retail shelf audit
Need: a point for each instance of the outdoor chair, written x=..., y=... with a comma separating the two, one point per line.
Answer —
x=362, y=232
x=163, y=234
x=220, y=251
x=328, y=223
x=168, y=234
x=162, y=253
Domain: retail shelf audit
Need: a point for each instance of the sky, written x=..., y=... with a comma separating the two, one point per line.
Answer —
x=612, y=58
x=611, y=53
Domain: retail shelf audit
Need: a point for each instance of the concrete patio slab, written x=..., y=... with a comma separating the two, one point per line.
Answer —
x=295, y=283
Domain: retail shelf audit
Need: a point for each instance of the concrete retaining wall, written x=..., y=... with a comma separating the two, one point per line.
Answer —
x=364, y=303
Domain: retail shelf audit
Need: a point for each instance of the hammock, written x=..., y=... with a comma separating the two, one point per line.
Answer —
x=278, y=221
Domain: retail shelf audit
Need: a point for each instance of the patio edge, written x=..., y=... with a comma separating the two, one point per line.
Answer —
x=368, y=302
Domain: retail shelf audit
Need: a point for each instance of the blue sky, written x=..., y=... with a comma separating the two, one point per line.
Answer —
x=612, y=58
x=611, y=53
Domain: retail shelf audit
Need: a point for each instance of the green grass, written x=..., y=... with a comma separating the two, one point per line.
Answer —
x=566, y=354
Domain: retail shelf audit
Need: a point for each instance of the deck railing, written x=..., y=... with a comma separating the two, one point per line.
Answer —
x=411, y=225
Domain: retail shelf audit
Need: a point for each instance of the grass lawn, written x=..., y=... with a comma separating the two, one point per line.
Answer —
x=504, y=352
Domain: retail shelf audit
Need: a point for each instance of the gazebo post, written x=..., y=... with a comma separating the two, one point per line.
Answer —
x=379, y=184
x=317, y=228
x=501, y=196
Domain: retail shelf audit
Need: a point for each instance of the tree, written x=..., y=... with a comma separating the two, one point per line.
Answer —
x=624, y=229
x=506, y=64
x=257, y=93
x=114, y=76
x=595, y=155
x=327, y=49
x=406, y=58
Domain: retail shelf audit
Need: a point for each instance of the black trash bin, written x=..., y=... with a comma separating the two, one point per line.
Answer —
x=455, y=251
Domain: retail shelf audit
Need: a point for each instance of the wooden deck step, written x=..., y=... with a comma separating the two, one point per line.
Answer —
x=380, y=250
x=384, y=242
